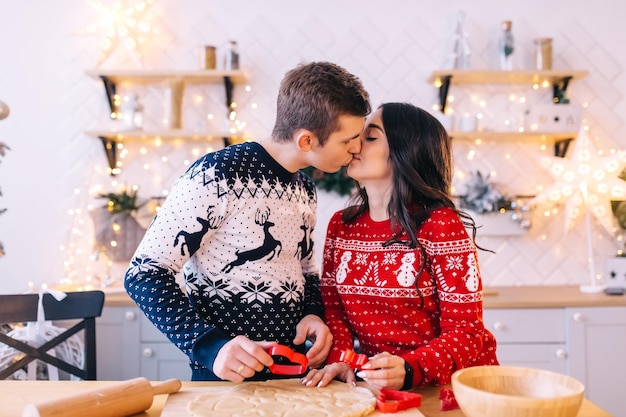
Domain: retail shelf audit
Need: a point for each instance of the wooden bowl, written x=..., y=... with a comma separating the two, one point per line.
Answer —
x=497, y=391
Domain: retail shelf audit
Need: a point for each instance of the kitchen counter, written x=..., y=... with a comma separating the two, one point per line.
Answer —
x=14, y=395
x=548, y=296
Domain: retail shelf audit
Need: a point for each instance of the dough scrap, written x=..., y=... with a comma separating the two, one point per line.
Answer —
x=283, y=398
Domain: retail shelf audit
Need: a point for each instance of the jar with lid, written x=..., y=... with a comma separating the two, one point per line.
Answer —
x=231, y=56
x=543, y=53
x=131, y=112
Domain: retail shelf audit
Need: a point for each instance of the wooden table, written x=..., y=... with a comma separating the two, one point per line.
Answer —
x=14, y=395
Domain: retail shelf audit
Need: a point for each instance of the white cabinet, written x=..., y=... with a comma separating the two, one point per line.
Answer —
x=588, y=343
x=597, y=349
x=117, y=343
x=160, y=358
x=129, y=346
x=533, y=338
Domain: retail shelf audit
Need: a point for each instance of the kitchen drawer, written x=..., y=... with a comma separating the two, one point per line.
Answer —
x=161, y=361
x=551, y=357
x=527, y=325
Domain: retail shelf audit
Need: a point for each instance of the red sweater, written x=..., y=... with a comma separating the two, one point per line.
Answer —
x=369, y=293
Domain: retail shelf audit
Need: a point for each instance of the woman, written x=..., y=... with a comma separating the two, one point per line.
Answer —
x=400, y=272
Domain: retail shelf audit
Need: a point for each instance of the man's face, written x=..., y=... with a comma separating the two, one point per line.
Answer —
x=340, y=145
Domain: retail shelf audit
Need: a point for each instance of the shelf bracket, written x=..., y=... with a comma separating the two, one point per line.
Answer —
x=559, y=89
x=110, y=149
x=443, y=92
x=228, y=85
x=561, y=146
x=110, y=88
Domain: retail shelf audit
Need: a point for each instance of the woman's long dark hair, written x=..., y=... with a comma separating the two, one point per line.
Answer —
x=421, y=159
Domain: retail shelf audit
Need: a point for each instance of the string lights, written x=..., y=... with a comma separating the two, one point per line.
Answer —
x=153, y=161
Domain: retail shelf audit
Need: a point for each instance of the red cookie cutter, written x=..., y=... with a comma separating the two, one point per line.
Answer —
x=392, y=401
x=355, y=360
x=299, y=362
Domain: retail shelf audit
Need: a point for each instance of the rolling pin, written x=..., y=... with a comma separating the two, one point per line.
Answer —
x=120, y=399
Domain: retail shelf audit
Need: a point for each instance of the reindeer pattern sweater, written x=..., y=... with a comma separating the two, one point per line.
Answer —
x=369, y=293
x=239, y=226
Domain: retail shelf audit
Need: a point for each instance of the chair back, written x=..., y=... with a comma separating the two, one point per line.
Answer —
x=83, y=306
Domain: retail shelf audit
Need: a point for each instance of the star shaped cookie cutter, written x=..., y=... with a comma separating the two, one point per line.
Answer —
x=392, y=401
x=353, y=359
x=298, y=363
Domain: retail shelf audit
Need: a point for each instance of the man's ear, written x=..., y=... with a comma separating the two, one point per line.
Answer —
x=305, y=140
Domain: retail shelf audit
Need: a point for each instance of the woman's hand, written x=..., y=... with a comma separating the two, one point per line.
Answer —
x=384, y=370
x=323, y=377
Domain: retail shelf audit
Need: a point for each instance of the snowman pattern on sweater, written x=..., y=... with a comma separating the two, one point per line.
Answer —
x=434, y=320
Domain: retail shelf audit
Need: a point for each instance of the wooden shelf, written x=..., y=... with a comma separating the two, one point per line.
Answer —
x=111, y=79
x=558, y=79
x=168, y=135
x=158, y=76
x=505, y=77
x=492, y=135
x=110, y=139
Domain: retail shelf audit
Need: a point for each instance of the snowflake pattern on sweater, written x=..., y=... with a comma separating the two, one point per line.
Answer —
x=369, y=292
x=240, y=228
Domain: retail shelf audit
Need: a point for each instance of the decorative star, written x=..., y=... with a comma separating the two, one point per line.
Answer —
x=585, y=181
x=122, y=22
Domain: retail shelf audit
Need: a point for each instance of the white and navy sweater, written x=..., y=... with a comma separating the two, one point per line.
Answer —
x=240, y=226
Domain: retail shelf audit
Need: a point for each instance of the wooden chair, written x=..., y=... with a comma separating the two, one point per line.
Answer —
x=83, y=306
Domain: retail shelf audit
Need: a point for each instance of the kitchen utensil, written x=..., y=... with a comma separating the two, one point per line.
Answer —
x=117, y=400
x=392, y=401
x=355, y=360
x=298, y=362
x=496, y=391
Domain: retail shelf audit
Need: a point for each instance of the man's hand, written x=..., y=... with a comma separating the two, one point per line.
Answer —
x=312, y=327
x=240, y=358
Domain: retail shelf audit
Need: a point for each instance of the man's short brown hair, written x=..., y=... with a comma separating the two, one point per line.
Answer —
x=312, y=96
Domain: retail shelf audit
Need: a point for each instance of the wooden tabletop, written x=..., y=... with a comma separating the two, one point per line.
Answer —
x=15, y=395
x=546, y=296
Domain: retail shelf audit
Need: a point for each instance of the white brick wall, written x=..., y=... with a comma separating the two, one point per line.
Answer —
x=393, y=47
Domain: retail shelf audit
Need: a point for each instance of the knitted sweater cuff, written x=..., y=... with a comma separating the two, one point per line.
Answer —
x=206, y=347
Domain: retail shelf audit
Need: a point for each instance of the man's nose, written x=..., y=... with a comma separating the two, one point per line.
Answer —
x=355, y=145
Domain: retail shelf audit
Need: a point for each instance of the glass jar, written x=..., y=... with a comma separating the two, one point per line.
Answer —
x=132, y=112
x=231, y=56
x=506, y=45
x=543, y=53
x=206, y=55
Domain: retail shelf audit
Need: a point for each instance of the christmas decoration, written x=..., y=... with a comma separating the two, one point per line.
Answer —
x=117, y=231
x=124, y=23
x=587, y=183
x=461, y=53
x=338, y=182
x=481, y=196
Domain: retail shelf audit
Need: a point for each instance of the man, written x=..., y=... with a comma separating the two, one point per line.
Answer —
x=239, y=223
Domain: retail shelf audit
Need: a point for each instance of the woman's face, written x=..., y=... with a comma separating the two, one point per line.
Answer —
x=372, y=165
